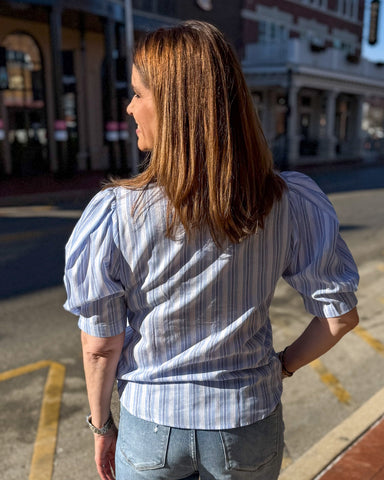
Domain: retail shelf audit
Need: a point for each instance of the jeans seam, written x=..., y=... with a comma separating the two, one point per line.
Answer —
x=193, y=449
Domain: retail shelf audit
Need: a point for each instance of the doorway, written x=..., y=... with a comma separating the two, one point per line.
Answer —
x=28, y=141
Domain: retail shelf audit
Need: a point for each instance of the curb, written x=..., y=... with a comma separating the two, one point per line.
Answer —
x=310, y=465
x=81, y=195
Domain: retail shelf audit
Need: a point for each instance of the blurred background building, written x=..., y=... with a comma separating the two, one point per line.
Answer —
x=64, y=89
x=318, y=99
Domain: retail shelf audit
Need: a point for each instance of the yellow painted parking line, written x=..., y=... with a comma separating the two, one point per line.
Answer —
x=330, y=381
x=380, y=267
x=367, y=337
x=45, y=443
x=32, y=367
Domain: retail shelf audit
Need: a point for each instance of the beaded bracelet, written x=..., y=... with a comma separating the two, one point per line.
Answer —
x=286, y=372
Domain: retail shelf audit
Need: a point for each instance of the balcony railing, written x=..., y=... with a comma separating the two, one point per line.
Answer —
x=298, y=52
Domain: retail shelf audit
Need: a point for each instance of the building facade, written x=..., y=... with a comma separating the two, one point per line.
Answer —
x=63, y=79
x=318, y=99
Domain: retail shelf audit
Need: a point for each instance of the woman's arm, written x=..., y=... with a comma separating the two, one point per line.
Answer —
x=319, y=337
x=100, y=357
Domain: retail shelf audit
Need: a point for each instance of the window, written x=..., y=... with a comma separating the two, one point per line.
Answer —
x=323, y=4
x=25, y=74
x=348, y=8
x=25, y=102
x=270, y=32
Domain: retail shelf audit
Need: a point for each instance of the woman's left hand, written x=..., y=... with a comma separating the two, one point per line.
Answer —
x=105, y=447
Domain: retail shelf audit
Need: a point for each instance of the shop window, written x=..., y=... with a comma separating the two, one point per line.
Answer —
x=25, y=73
x=24, y=99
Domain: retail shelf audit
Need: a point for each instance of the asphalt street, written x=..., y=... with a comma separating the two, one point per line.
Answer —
x=41, y=357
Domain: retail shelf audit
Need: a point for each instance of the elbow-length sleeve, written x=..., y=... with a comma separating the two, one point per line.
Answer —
x=92, y=269
x=320, y=266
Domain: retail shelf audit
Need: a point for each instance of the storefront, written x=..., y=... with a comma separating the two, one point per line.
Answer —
x=63, y=88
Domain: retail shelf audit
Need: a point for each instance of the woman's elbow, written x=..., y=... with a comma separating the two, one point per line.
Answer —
x=98, y=347
x=347, y=322
x=351, y=319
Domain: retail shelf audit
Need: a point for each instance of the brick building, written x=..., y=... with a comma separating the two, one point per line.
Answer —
x=312, y=88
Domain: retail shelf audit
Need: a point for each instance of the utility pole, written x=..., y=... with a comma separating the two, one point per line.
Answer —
x=130, y=41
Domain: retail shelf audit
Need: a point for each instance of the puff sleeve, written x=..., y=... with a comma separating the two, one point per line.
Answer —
x=92, y=269
x=320, y=266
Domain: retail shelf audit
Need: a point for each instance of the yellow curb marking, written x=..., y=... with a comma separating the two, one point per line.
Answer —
x=45, y=443
x=367, y=337
x=330, y=381
x=381, y=267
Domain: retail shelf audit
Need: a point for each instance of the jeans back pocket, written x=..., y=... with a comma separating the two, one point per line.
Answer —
x=141, y=443
x=252, y=447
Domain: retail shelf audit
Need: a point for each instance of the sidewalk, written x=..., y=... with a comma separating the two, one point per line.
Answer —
x=48, y=189
x=354, y=450
x=363, y=461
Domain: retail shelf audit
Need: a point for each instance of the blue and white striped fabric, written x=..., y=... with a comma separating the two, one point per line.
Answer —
x=198, y=347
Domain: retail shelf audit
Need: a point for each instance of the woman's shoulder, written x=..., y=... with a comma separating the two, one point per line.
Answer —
x=112, y=195
x=303, y=186
x=299, y=182
x=302, y=189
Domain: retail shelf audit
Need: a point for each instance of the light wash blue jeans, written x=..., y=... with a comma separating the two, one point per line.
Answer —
x=154, y=452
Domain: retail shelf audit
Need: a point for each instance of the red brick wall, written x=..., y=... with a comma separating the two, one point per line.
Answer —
x=302, y=11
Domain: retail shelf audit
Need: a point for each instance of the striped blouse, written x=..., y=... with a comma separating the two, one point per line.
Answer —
x=198, y=350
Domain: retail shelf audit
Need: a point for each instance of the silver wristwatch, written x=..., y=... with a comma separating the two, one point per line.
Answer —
x=104, y=429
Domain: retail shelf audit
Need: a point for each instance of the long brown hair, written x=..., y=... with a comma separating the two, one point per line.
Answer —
x=210, y=155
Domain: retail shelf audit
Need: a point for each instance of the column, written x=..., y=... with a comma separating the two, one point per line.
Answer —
x=110, y=114
x=269, y=114
x=330, y=137
x=358, y=134
x=292, y=135
x=84, y=158
x=5, y=151
x=123, y=98
x=60, y=131
x=129, y=34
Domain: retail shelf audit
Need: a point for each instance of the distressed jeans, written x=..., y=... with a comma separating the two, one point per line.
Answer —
x=149, y=451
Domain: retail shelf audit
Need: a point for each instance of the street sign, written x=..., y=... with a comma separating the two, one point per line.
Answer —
x=373, y=22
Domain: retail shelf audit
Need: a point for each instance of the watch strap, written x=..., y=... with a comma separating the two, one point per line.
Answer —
x=104, y=429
